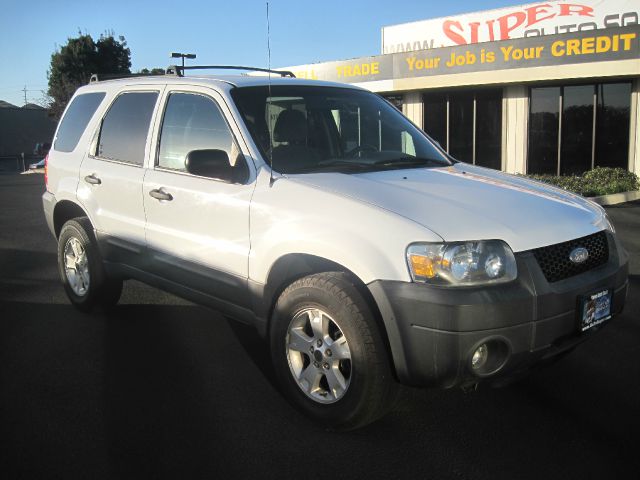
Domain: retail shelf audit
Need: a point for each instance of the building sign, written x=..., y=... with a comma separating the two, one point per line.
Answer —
x=531, y=20
x=571, y=48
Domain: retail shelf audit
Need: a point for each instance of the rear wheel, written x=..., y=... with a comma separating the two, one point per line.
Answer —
x=81, y=270
x=328, y=352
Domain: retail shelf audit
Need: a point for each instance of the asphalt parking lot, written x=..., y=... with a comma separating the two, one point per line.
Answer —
x=162, y=388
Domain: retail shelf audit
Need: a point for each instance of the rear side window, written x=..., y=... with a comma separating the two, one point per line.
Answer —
x=76, y=119
x=125, y=127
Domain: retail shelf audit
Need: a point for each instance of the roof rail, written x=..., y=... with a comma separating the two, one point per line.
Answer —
x=178, y=70
x=99, y=77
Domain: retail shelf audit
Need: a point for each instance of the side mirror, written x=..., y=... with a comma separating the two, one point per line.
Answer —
x=215, y=164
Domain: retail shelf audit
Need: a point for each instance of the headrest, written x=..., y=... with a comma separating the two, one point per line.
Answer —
x=291, y=126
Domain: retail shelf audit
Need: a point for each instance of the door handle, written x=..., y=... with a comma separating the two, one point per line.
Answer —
x=92, y=179
x=160, y=194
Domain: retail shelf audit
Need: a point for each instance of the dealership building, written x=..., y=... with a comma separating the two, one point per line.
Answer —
x=549, y=87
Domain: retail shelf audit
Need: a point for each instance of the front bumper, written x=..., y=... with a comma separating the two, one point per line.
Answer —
x=433, y=331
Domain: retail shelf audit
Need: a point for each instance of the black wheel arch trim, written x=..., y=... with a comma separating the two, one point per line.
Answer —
x=65, y=210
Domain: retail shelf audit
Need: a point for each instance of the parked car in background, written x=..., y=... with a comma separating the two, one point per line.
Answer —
x=42, y=148
x=35, y=166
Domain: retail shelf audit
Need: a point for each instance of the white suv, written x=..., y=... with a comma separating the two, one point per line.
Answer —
x=319, y=214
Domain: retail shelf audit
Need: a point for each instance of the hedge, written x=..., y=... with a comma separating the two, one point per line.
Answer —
x=596, y=182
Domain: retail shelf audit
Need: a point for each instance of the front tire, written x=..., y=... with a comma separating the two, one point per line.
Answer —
x=328, y=353
x=81, y=270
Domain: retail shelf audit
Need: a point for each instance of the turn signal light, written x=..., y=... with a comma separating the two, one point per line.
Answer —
x=422, y=266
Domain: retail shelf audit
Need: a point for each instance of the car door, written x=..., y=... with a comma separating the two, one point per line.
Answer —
x=112, y=173
x=197, y=227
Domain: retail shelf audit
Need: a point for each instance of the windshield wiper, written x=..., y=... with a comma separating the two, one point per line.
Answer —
x=337, y=165
x=355, y=166
x=409, y=162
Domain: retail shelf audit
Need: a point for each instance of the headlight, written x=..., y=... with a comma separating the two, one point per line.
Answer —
x=604, y=220
x=607, y=223
x=462, y=263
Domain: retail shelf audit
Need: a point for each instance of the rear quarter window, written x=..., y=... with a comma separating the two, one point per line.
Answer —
x=75, y=120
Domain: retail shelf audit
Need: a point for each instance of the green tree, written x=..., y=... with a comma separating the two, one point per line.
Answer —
x=153, y=71
x=74, y=63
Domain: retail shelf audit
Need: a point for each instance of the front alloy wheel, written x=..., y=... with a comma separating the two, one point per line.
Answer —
x=328, y=352
x=319, y=355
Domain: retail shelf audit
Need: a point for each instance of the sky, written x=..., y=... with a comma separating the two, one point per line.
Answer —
x=219, y=32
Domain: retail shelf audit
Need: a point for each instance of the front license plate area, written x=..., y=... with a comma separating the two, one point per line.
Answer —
x=594, y=310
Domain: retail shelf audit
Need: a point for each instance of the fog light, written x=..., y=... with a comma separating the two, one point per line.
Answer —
x=480, y=357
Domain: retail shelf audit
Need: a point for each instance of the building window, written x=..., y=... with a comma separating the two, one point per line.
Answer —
x=395, y=100
x=468, y=125
x=613, y=116
x=575, y=128
x=544, y=119
x=461, y=126
x=488, y=138
x=436, y=118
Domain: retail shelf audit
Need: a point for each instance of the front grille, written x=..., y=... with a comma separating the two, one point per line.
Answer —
x=554, y=259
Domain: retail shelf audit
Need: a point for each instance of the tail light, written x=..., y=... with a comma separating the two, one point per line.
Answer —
x=46, y=170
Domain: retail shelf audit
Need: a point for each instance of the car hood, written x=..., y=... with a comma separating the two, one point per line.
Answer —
x=465, y=202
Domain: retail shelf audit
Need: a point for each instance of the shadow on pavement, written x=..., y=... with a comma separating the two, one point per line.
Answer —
x=157, y=391
x=166, y=389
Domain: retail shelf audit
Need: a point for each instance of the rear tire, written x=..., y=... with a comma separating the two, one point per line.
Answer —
x=328, y=353
x=81, y=270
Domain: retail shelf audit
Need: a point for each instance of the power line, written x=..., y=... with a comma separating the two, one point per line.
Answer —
x=6, y=87
x=22, y=89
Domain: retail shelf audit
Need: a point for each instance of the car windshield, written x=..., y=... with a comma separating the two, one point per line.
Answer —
x=305, y=129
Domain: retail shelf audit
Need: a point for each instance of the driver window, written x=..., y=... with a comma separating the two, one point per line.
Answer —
x=193, y=122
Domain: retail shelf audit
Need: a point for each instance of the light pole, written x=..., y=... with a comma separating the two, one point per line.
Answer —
x=190, y=56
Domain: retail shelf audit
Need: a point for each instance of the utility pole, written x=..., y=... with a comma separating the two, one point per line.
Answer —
x=25, y=95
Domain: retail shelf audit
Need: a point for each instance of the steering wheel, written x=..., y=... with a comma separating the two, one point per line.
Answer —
x=360, y=149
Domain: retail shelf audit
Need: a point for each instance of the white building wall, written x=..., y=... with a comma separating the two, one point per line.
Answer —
x=634, y=137
x=515, y=120
x=413, y=108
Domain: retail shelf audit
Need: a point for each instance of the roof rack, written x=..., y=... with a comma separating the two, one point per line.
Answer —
x=95, y=77
x=178, y=70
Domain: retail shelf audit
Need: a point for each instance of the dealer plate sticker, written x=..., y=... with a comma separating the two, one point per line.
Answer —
x=596, y=309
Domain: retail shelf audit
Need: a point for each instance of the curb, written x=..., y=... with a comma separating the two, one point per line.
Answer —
x=616, y=198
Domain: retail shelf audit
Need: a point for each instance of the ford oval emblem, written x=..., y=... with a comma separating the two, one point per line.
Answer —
x=579, y=255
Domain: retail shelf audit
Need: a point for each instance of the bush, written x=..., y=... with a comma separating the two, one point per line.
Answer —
x=596, y=182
